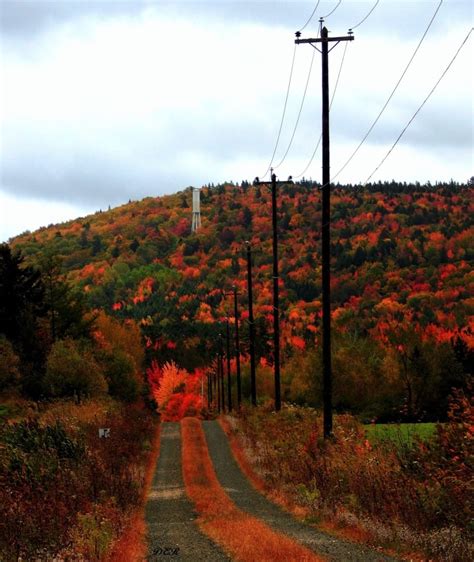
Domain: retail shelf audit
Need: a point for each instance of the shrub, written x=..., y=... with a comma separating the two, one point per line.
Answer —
x=72, y=371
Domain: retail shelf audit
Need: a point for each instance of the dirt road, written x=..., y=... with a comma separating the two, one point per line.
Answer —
x=173, y=532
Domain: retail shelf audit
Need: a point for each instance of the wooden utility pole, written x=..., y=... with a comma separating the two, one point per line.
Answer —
x=276, y=289
x=326, y=219
x=209, y=390
x=229, y=385
x=221, y=376
x=237, y=348
x=276, y=298
x=253, y=382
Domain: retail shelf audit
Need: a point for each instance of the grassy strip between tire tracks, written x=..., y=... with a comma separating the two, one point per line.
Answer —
x=244, y=537
x=131, y=546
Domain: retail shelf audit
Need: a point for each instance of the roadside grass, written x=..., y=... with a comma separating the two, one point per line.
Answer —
x=131, y=545
x=407, y=493
x=244, y=537
x=65, y=493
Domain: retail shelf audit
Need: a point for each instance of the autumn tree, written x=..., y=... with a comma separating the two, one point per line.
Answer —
x=22, y=309
x=121, y=355
x=65, y=307
x=9, y=365
x=22, y=297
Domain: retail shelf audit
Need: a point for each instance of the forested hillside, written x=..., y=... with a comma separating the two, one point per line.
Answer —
x=402, y=286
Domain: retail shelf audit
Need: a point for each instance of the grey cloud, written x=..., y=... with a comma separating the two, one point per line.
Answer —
x=24, y=18
x=100, y=169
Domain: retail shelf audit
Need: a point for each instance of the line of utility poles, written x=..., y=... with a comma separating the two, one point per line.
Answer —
x=324, y=39
x=326, y=217
x=216, y=379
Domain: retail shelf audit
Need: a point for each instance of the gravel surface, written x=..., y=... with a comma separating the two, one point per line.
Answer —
x=248, y=499
x=170, y=517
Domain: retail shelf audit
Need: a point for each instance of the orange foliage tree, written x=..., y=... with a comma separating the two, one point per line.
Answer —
x=176, y=392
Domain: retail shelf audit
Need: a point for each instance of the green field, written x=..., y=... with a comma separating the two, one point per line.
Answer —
x=403, y=433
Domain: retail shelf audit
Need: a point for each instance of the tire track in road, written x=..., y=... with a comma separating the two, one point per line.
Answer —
x=246, y=497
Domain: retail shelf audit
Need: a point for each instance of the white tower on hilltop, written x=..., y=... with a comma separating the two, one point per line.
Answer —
x=196, y=209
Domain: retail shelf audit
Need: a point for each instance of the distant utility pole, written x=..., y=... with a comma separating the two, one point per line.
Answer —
x=326, y=219
x=253, y=382
x=220, y=377
x=209, y=389
x=229, y=385
x=276, y=291
x=237, y=348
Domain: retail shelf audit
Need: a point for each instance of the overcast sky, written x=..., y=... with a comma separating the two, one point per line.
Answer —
x=106, y=101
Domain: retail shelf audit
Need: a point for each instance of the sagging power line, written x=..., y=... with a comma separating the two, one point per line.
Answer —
x=391, y=94
x=333, y=10
x=299, y=113
x=310, y=17
x=283, y=115
x=365, y=17
x=420, y=107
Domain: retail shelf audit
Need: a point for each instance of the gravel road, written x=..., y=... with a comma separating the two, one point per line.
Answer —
x=170, y=517
x=248, y=499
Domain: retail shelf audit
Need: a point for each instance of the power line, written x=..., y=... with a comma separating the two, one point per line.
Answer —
x=330, y=105
x=299, y=112
x=283, y=115
x=333, y=10
x=311, y=16
x=420, y=107
x=392, y=93
x=363, y=19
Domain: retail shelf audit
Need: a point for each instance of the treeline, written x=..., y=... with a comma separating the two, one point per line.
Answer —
x=402, y=288
x=53, y=346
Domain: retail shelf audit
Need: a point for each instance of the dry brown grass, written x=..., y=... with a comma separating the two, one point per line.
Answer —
x=70, y=413
x=244, y=537
x=131, y=546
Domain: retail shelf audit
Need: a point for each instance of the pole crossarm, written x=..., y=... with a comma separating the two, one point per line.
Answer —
x=279, y=183
x=325, y=39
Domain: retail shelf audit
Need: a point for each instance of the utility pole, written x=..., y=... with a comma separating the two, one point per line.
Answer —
x=214, y=389
x=276, y=289
x=220, y=377
x=221, y=355
x=209, y=389
x=326, y=219
x=253, y=382
x=229, y=385
x=276, y=299
x=237, y=348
